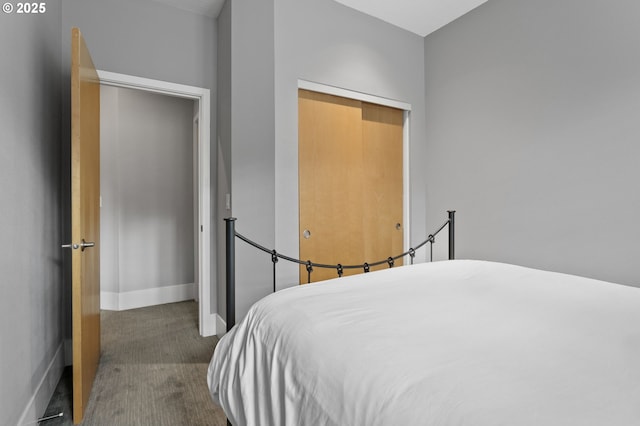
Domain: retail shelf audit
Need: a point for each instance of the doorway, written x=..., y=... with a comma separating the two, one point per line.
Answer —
x=147, y=199
x=194, y=210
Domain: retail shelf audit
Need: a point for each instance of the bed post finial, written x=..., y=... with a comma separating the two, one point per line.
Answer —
x=452, y=227
x=231, y=272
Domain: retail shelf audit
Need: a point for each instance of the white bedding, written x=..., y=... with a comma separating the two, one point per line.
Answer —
x=445, y=343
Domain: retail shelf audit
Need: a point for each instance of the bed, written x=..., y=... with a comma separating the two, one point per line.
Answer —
x=458, y=342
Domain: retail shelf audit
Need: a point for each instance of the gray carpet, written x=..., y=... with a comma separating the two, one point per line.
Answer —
x=152, y=372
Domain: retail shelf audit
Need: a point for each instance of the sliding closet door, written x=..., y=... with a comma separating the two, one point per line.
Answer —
x=330, y=181
x=382, y=213
x=350, y=182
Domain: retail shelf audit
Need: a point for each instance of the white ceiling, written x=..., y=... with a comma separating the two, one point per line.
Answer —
x=202, y=7
x=418, y=16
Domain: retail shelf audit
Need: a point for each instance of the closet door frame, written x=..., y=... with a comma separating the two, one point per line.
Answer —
x=406, y=108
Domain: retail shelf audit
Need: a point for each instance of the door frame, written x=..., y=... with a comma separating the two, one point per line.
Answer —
x=406, y=108
x=206, y=320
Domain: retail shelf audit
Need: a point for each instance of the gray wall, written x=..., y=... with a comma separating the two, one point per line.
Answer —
x=145, y=38
x=141, y=38
x=247, y=136
x=146, y=184
x=253, y=143
x=532, y=134
x=271, y=45
x=325, y=42
x=31, y=287
x=223, y=145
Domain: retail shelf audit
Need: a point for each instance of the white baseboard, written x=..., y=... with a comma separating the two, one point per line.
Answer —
x=150, y=297
x=221, y=326
x=42, y=394
x=109, y=301
x=209, y=325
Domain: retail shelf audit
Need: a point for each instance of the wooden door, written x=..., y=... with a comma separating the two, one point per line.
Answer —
x=350, y=182
x=330, y=180
x=85, y=221
x=382, y=212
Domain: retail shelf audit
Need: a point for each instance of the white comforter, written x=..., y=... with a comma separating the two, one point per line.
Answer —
x=444, y=343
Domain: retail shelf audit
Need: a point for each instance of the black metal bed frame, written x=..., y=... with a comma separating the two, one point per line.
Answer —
x=231, y=234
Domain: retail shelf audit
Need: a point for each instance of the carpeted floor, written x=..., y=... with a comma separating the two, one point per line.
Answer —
x=152, y=372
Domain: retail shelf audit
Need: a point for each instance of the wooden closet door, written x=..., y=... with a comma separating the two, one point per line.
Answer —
x=382, y=211
x=350, y=182
x=330, y=182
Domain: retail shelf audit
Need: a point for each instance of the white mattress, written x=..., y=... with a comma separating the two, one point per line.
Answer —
x=444, y=343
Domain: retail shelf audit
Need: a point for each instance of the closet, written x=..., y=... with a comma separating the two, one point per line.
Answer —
x=350, y=182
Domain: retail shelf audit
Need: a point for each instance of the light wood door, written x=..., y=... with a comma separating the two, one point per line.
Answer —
x=350, y=182
x=382, y=212
x=85, y=221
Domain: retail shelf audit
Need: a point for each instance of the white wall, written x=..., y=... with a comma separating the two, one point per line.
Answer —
x=532, y=134
x=31, y=285
x=147, y=189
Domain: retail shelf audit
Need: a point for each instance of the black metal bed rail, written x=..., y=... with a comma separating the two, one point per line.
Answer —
x=230, y=259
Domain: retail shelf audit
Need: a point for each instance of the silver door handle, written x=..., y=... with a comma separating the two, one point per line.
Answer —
x=86, y=244
x=83, y=245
